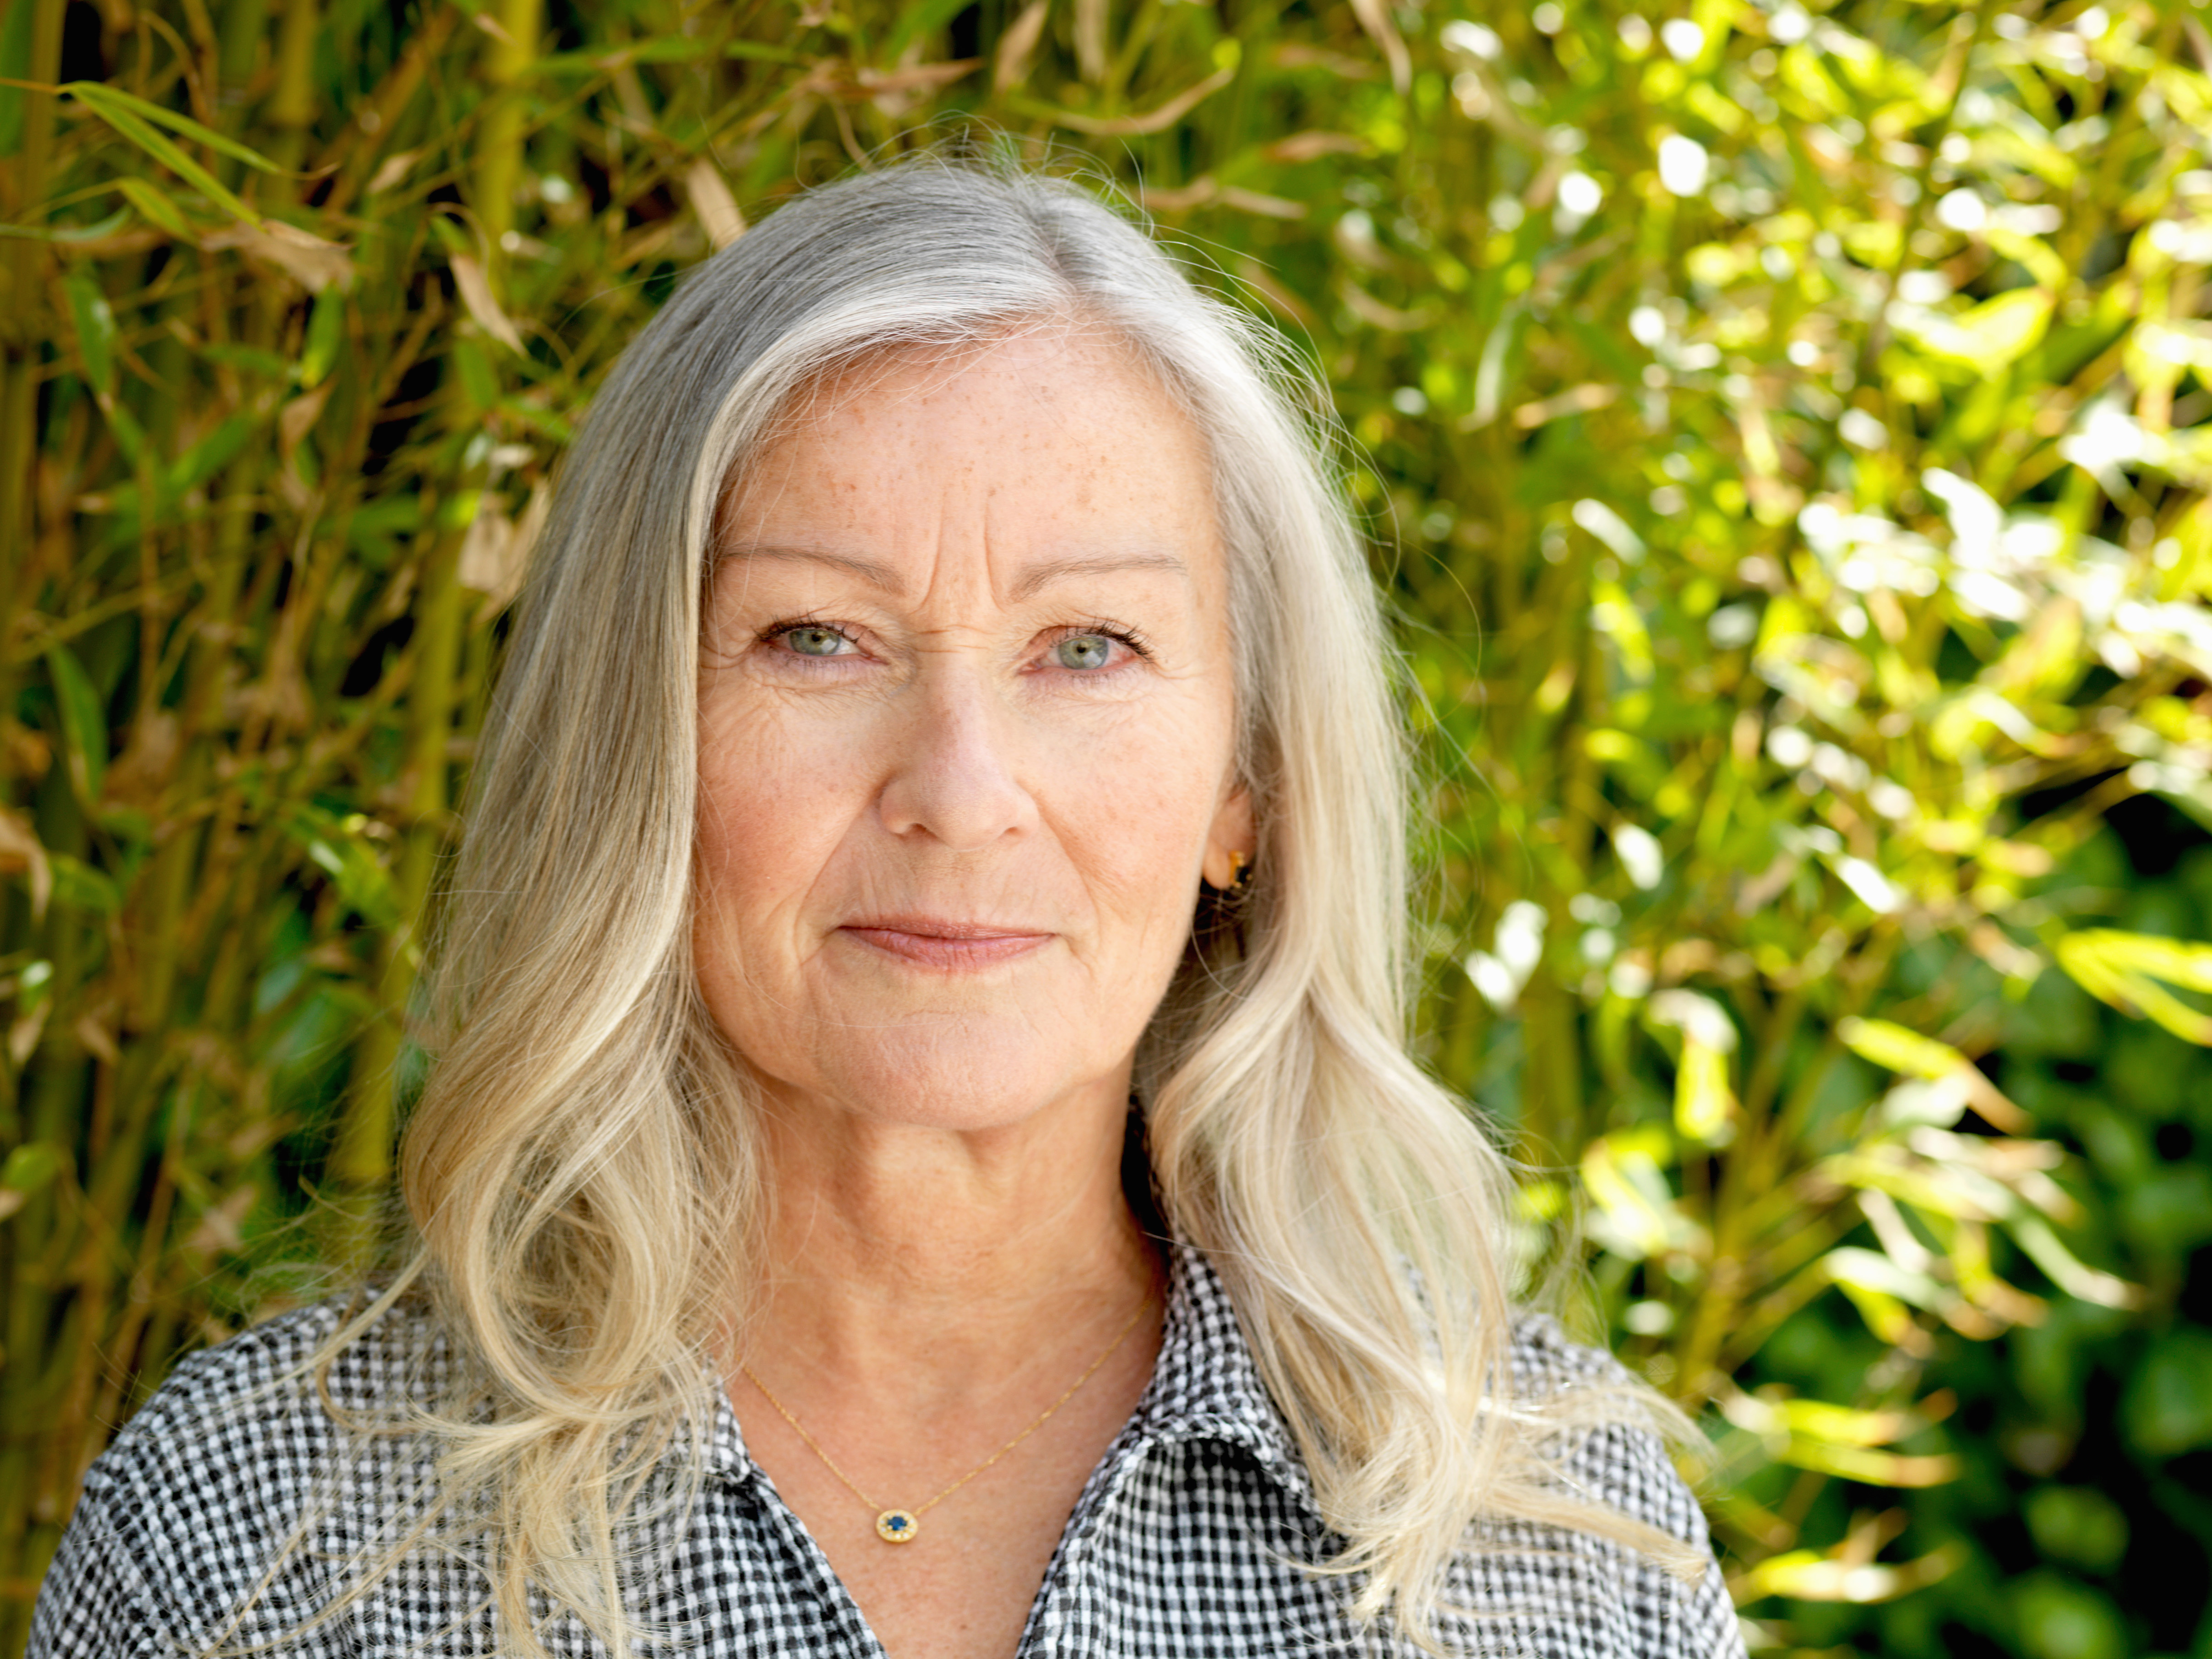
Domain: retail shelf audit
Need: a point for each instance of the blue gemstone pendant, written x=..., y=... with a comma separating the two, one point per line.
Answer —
x=896, y=1526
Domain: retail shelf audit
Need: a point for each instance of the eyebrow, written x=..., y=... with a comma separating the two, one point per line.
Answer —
x=1043, y=576
x=876, y=576
x=1025, y=585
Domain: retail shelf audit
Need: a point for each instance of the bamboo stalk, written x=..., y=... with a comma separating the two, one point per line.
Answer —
x=292, y=104
x=508, y=52
x=374, y=128
x=22, y=322
x=239, y=38
x=361, y=1162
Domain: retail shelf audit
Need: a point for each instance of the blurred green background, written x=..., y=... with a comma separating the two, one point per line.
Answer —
x=1782, y=427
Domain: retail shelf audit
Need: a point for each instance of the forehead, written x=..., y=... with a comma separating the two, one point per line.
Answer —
x=1059, y=434
x=1058, y=364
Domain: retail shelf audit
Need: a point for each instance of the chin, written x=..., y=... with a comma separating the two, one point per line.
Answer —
x=971, y=1080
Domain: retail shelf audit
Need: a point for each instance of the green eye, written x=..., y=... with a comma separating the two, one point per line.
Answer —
x=1083, y=651
x=814, y=642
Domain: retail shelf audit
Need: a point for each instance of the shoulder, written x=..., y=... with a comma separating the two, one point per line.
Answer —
x=1545, y=1362
x=253, y=1415
x=1562, y=1591
x=1615, y=1449
x=201, y=1491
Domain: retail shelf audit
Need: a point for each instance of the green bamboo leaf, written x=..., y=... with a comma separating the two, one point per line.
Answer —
x=1870, y=1467
x=1885, y=1316
x=83, y=720
x=129, y=436
x=1896, y=1049
x=1806, y=1576
x=2131, y=971
x=157, y=209
x=32, y=1165
x=1854, y=1268
x=760, y=51
x=194, y=467
x=1985, y=337
x=473, y=367
x=127, y=123
x=326, y=334
x=253, y=360
x=78, y=886
x=2067, y=1271
x=336, y=846
x=1624, y=1181
x=1846, y=1425
x=109, y=100
x=1704, y=1104
x=65, y=235
x=456, y=240
x=96, y=331
x=210, y=455
x=132, y=827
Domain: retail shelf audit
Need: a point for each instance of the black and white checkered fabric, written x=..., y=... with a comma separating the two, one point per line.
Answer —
x=1185, y=1541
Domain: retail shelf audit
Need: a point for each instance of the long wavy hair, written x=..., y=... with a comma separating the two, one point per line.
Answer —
x=582, y=1172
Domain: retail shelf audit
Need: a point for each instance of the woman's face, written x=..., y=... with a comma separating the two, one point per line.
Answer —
x=966, y=735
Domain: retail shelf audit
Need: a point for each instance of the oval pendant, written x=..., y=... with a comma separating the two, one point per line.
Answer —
x=896, y=1526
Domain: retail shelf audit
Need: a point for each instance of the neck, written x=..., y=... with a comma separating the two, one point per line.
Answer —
x=937, y=1256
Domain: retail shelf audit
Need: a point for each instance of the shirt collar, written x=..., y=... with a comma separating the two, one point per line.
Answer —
x=1205, y=1386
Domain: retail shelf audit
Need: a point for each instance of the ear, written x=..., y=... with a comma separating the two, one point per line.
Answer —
x=1232, y=832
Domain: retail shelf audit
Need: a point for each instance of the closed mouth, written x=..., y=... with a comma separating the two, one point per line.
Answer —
x=936, y=942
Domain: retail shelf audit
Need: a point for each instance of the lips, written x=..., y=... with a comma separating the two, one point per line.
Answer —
x=939, y=942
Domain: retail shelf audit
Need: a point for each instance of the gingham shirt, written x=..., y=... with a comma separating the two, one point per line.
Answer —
x=1185, y=1542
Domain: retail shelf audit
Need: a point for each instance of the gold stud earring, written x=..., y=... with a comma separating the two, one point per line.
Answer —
x=1238, y=864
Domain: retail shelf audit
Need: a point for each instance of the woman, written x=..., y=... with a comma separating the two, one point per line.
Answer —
x=949, y=707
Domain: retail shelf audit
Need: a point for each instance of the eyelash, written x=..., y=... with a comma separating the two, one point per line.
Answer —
x=1106, y=630
x=774, y=632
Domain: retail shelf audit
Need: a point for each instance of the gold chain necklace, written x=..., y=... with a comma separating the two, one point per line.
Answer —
x=899, y=1525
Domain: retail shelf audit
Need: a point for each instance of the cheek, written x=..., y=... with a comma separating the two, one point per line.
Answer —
x=771, y=810
x=1133, y=808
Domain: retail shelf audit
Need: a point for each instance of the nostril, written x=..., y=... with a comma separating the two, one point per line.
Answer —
x=956, y=780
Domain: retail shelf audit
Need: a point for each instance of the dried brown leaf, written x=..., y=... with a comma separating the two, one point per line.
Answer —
x=717, y=210
x=391, y=169
x=1158, y=120
x=1374, y=16
x=1018, y=46
x=20, y=849
x=476, y=293
x=313, y=263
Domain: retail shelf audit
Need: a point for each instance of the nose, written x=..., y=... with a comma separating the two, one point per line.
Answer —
x=954, y=779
